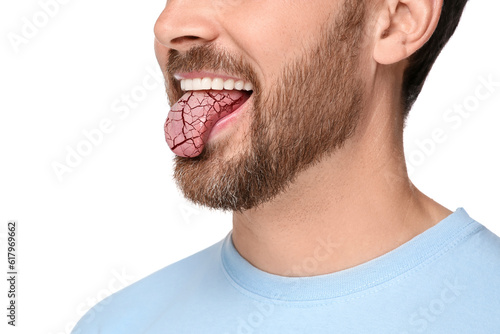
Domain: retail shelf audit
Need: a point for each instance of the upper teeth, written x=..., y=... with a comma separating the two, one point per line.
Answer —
x=215, y=84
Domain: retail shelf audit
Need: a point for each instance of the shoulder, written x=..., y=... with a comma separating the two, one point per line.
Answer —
x=476, y=262
x=475, y=247
x=472, y=241
x=128, y=309
x=474, y=281
x=484, y=246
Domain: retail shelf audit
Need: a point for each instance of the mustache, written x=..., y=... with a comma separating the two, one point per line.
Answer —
x=206, y=58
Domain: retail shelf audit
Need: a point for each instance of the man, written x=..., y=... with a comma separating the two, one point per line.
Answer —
x=290, y=114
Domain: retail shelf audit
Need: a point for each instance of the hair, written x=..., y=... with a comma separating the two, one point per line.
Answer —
x=421, y=62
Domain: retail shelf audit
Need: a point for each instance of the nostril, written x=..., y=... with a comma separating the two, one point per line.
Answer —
x=182, y=39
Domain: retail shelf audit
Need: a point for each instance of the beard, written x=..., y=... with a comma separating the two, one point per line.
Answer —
x=311, y=110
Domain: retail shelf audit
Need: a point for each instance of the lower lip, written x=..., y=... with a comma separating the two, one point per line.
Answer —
x=229, y=120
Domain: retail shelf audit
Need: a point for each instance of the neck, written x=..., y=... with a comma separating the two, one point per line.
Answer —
x=350, y=208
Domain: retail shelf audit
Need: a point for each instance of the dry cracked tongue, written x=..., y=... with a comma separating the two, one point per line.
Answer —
x=191, y=119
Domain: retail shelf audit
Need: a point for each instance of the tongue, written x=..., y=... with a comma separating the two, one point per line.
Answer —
x=192, y=118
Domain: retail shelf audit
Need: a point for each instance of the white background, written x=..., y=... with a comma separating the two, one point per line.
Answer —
x=117, y=216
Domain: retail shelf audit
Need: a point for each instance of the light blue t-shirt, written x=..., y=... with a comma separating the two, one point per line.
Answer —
x=445, y=280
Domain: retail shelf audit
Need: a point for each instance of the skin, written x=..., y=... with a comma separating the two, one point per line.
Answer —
x=358, y=201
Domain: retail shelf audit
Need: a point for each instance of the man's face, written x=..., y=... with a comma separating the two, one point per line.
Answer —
x=303, y=61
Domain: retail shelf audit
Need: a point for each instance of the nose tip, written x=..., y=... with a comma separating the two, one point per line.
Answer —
x=181, y=27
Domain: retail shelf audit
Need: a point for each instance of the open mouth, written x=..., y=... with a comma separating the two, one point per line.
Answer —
x=205, y=102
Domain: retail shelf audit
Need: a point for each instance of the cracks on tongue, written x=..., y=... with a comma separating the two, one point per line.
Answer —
x=195, y=116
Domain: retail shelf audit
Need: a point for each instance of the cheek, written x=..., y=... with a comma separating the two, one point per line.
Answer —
x=272, y=33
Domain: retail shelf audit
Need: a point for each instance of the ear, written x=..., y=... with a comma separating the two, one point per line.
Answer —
x=404, y=26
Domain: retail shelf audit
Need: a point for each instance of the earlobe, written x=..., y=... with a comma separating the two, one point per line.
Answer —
x=403, y=27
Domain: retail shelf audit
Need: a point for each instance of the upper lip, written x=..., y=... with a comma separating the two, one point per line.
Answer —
x=195, y=75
